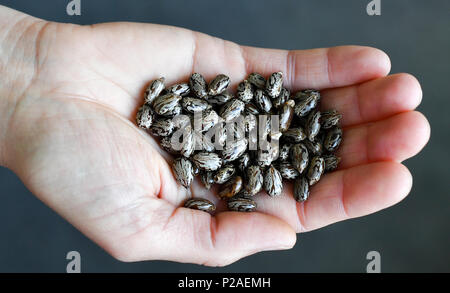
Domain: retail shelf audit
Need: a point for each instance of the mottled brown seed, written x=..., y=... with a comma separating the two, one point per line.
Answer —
x=202, y=143
x=234, y=150
x=294, y=134
x=242, y=162
x=220, y=99
x=331, y=162
x=207, y=120
x=144, y=117
x=306, y=101
x=255, y=179
x=165, y=104
x=163, y=127
x=313, y=125
x=207, y=161
x=224, y=174
x=218, y=84
x=188, y=142
x=232, y=110
x=257, y=80
x=288, y=171
x=284, y=152
x=333, y=139
x=301, y=189
x=183, y=170
x=315, y=170
x=251, y=109
x=273, y=182
x=244, y=91
x=314, y=147
x=274, y=84
x=207, y=179
x=241, y=204
x=231, y=187
x=166, y=144
x=200, y=204
x=192, y=105
x=181, y=89
x=286, y=115
x=197, y=84
x=263, y=101
x=330, y=118
x=153, y=90
x=299, y=157
x=282, y=98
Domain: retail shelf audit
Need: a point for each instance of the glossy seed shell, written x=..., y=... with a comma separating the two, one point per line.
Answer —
x=333, y=139
x=257, y=80
x=274, y=84
x=232, y=110
x=273, y=182
x=207, y=161
x=218, y=84
x=241, y=204
x=153, y=90
x=315, y=170
x=197, y=84
x=224, y=174
x=183, y=170
x=299, y=157
x=254, y=180
x=166, y=104
x=200, y=204
x=301, y=189
x=262, y=101
x=145, y=117
x=231, y=188
x=244, y=91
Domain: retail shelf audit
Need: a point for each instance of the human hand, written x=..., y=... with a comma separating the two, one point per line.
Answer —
x=69, y=96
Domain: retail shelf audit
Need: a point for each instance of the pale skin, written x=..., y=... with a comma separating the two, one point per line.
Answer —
x=69, y=95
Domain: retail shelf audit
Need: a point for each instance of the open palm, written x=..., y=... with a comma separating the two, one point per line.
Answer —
x=73, y=141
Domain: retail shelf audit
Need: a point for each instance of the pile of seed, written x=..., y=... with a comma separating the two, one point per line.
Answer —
x=306, y=138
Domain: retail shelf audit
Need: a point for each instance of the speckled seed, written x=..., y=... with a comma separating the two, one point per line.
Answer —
x=242, y=162
x=153, y=90
x=330, y=118
x=263, y=101
x=286, y=115
x=244, y=91
x=241, y=204
x=314, y=147
x=167, y=145
x=220, y=99
x=183, y=170
x=218, y=84
x=163, y=127
x=282, y=98
x=257, y=80
x=313, y=125
x=265, y=157
x=315, y=170
x=203, y=143
x=273, y=182
x=181, y=89
x=165, y=104
x=301, y=189
x=207, y=179
x=306, y=101
x=251, y=109
x=192, y=105
x=231, y=110
x=188, y=142
x=224, y=174
x=200, y=204
x=288, y=171
x=208, y=119
x=284, y=152
x=332, y=139
x=231, y=187
x=174, y=112
x=274, y=84
x=254, y=178
x=299, y=157
x=207, y=161
x=331, y=162
x=144, y=116
x=197, y=84
x=295, y=134
x=234, y=150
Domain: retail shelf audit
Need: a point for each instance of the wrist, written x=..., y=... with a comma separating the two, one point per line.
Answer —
x=19, y=36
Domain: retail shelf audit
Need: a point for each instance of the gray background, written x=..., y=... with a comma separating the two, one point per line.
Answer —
x=413, y=236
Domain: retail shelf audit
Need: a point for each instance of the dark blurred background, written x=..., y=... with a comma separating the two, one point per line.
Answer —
x=413, y=236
